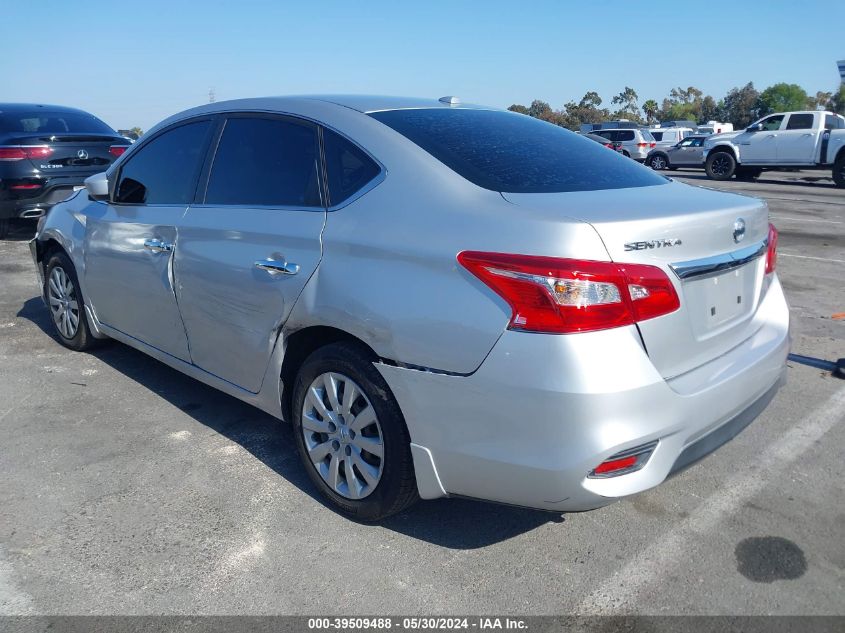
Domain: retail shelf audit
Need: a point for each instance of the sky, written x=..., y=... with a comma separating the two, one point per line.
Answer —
x=133, y=63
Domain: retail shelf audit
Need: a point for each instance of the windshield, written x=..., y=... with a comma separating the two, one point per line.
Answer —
x=41, y=122
x=515, y=153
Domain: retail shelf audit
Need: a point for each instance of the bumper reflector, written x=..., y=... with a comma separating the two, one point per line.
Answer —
x=624, y=462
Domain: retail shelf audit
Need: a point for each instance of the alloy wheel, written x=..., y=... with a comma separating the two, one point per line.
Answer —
x=343, y=436
x=64, y=303
x=658, y=162
x=720, y=165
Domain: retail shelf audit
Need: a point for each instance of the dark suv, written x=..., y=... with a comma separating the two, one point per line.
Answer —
x=45, y=153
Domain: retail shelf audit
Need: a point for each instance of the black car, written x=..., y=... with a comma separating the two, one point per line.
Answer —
x=45, y=153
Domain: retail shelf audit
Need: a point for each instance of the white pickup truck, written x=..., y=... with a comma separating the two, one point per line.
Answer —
x=806, y=140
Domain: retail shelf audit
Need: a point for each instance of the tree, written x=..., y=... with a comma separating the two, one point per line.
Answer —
x=782, y=97
x=538, y=109
x=740, y=106
x=516, y=107
x=650, y=108
x=137, y=131
x=708, y=109
x=627, y=99
x=689, y=104
x=822, y=101
x=837, y=103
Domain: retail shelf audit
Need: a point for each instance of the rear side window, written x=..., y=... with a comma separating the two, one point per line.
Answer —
x=165, y=170
x=625, y=135
x=348, y=166
x=265, y=162
x=800, y=122
x=658, y=136
x=41, y=122
x=515, y=153
x=833, y=122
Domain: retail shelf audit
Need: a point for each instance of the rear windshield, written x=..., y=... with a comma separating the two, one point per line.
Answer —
x=41, y=122
x=515, y=153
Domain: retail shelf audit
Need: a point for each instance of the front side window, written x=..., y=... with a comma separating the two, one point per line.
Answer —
x=800, y=122
x=348, y=166
x=509, y=152
x=165, y=170
x=685, y=143
x=697, y=142
x=772, y=123
x=265, y=162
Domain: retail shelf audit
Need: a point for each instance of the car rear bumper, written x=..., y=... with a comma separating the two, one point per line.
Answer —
x=35, y=204
x=543, y=411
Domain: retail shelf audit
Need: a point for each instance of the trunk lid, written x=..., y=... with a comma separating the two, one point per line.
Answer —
x=685, y=231
x=71, y=153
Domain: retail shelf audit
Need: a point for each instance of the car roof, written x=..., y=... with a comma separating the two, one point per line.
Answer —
x=29, y=107
x=360, y=103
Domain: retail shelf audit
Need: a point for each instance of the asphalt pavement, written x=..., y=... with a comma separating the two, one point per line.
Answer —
x=128, y=488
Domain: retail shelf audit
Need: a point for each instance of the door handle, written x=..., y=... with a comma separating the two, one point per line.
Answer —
x=772, y=136
x=158, y=246
x=274, y=266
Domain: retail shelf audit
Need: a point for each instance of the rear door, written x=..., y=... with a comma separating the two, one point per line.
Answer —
x=248, y=248
x=797, y=140
x=130, y=242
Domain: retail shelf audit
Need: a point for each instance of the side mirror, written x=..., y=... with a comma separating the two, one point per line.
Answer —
x=98, y=186
x=757, y=127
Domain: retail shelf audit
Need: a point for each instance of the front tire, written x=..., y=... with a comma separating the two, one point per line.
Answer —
x=720, y=165
x=351, y=434
x=839, y=170
x=66, y=304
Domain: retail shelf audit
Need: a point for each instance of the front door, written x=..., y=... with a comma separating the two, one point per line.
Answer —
x=761, y=147
x=247, y=251
x=130, y=242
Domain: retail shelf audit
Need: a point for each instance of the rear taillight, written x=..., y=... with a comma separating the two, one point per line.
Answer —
x=772, y=250
x=642, y=144
x=562, y=296
x=610, y=145
x=20, y=152
x=117, y=150
x=25, y=187
x=652, y=144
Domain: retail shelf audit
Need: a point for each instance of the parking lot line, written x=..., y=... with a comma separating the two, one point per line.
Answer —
x=13, y=601
x=784, y=217
x=818, y=259
x=619, y=592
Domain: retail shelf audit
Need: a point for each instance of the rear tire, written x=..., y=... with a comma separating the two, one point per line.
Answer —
x=66, y=304
x=839, y=170
x=658, y=162
x=720, y=165
x=335, y=386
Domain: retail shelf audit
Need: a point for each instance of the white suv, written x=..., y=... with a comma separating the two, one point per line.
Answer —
x=635, y=143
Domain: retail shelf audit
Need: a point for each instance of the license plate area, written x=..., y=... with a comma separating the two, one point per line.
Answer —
x=718, y=301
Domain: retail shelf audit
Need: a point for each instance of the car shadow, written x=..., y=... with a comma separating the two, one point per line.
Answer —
x=452, y=523
x=820, y=182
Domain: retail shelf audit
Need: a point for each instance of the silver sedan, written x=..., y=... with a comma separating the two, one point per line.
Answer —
x=442, y=299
